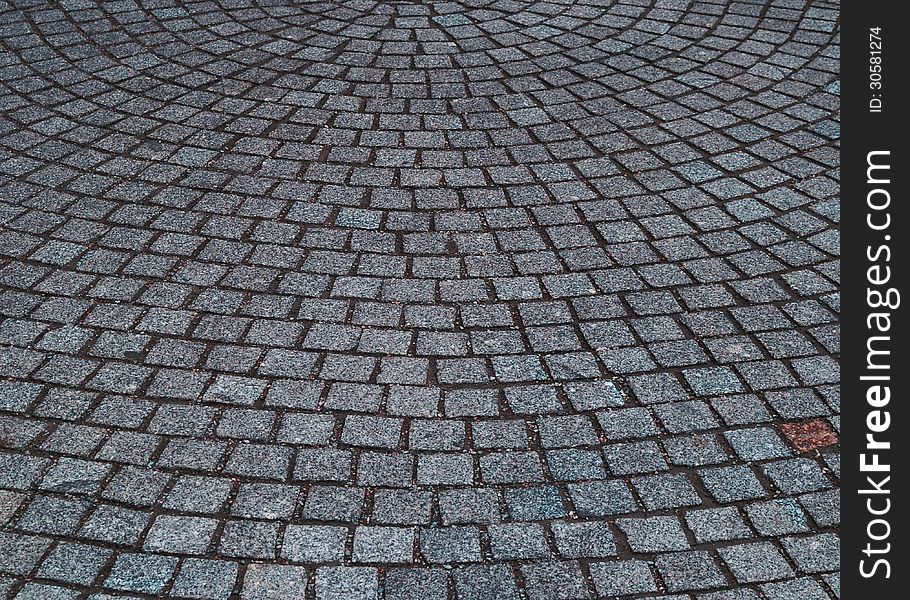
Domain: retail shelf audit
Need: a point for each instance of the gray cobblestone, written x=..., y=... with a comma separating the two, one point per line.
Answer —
x=469, y=300
x=623, y=578
x=654, y=534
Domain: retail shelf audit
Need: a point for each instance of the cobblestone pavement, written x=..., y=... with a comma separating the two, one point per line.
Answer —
x=474, y=300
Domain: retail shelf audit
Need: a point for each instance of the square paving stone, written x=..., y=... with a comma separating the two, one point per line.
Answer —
x=19, y=472
x=129, y=447
x=436, y=435
x=254, y=460
x=683, y=417
x=141, y=573
x=445, y=469
x=515, y=541
x=416, y=584
x=717, y=524
x=666, y=491
x=413, y=401
x=627, y=423
x=306, y=429
x=373, y=432
x=303, y=395
x=471, y=403
x=755, y=562
x=757, y=443
x=18, y=395
x=374, y=544
x=657, y=388
x=463, y=506
x=741, y=409
x=381, y=469
x=136, y=486
x=584, y=539
x=695, y=450
x=450, y=544
x=602, y=498
x=485, y=582
x=249, y=539
x=823, y=506
x=654, y=534
x=511, y=467
x=347, y=583
x=777, y=517
x=732, y=484
x=314, y=543
x=797, y=403
x=197, y=494
x=246, y=424
x=766, y=375
x=267, y=581
x=552, y=580
x=115, y=525
x=404, y=507
x=535, y=503
x=174, y=419
x=503, y=433
x=53, y=515
x=795, y=589
x=518, y=368
x=566, y=431
x=180, y=535
x=533, y=400
x=575, y=465
x=634, y=458
x=20, y=553
x=232, y=389
x=688, y=571
x=814, y=553
x=205, y=579
x=796, y=475
x=323, y=464
x=265, y=501
x=622, y=578
x=403, y=370
x=713, y=381
x=593, y=395
x=330, y=503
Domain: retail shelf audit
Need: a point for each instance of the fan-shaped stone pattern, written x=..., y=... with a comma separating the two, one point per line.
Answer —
x=488, y=299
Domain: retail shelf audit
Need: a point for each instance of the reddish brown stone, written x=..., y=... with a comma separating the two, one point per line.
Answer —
x=809, y=435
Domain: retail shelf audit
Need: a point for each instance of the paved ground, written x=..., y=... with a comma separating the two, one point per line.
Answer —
x=482, y=300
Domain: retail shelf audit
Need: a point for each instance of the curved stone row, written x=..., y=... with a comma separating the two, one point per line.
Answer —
x=491, y=299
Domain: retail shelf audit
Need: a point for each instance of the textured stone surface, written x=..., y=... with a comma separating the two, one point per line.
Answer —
x=419, y=299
